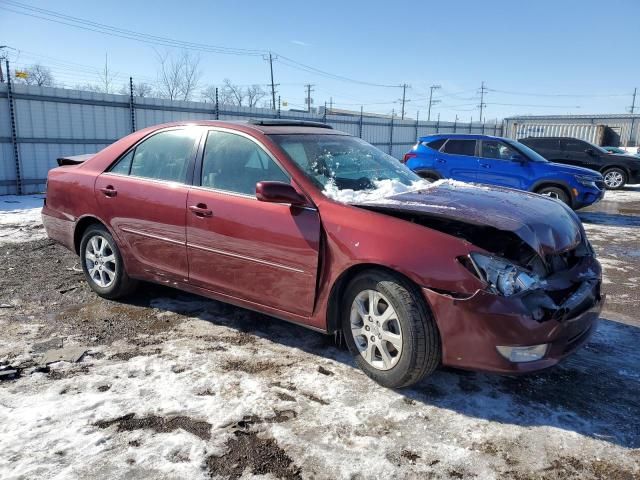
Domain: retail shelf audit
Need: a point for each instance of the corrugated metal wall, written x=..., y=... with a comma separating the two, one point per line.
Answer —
x=627, y=127
x=588, y=132
x=52, y=122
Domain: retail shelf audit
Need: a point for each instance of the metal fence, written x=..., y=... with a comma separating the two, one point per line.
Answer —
x=40, y=124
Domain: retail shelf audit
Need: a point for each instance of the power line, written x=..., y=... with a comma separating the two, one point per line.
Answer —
x=105, y=29
x=526, y=94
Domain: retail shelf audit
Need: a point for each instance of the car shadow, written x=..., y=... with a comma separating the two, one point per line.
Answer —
x=595, y=392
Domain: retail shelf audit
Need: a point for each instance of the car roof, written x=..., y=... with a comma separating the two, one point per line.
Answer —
x=459, y=136
x=267, y=127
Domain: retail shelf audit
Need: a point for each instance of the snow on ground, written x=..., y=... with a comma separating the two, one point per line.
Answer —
x=630, y=193
x=20, y=218
x=333, y=422
x=209, y=382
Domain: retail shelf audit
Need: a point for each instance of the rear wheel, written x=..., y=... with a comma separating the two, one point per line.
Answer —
x=389, y=330
x=614, y=178
x=102, y=264
x=555, y=192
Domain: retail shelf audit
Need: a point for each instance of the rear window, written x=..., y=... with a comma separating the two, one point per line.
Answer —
x=461, y=147
x=435, y=144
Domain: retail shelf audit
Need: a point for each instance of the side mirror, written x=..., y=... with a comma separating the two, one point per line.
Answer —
x=516, y=157
x=590, y=151
x=278, y=192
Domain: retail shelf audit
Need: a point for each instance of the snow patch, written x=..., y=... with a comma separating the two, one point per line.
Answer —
x=20, y=218
x=390, y=187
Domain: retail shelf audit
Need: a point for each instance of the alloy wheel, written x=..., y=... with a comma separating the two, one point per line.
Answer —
x=100, y=261
x=613, y=179
x=376, y=329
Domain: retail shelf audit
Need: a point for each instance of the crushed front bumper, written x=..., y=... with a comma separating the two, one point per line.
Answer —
x=472, y=328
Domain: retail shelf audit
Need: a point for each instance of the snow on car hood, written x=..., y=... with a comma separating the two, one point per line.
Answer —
x=543, y=223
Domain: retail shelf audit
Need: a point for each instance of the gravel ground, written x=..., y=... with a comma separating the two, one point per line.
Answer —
x=177, y=386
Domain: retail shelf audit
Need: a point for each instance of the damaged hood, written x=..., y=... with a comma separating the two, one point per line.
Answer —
x=545, y=224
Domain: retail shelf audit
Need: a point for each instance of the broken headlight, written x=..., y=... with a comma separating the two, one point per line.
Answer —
x=504, y=277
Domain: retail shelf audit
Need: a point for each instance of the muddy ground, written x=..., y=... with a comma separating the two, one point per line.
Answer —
x=177, y=386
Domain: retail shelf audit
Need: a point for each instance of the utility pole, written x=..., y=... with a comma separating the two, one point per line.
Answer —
x=404, y=97
x=482, y=104
x=273, y=85
x=330, y=104
x=431, y=100
x=630, y=142
x=3, y=57
x=309, y=97
x=632, y=109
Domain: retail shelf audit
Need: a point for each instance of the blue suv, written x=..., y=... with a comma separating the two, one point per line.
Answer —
x=503, y=162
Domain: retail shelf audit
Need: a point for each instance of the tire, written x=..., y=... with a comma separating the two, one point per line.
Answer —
x=614, y=178
x=555, y=192
x=102, y=264
x=419, y=352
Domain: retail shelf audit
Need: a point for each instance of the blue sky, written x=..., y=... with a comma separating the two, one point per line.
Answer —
x=539, y=51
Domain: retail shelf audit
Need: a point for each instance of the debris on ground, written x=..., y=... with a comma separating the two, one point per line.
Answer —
x=65, y=354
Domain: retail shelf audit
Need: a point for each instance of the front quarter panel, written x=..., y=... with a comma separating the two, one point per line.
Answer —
x=356, y=236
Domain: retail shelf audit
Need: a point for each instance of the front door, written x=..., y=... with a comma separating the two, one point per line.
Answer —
x=264, y=253
x=498, y=166
x=457, y=160
x=143, y=199
x=575, y=153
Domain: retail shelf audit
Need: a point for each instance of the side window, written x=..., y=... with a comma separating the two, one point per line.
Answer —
x=496, y=150
x=164, y=156
x=575, y=146
x=436, y=144
x=124, y=164
x=461, y=147
x=234, y=163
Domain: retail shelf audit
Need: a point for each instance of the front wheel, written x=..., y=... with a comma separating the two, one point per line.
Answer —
x=102, y=264
x=555, y=192
x=389, y=329
x=614, y=178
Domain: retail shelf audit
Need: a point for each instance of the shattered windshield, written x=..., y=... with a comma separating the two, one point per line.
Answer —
x=346, y=168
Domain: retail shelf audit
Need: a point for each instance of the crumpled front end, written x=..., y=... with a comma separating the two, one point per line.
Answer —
x=528, y=330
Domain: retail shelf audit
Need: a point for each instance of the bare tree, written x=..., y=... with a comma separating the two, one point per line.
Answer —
x=208, y=94
x=255, y=93
x=191, y=75
x=107, y=78
x=38, y=74
x=234, y=93
x=178, y=76
x=140, y=89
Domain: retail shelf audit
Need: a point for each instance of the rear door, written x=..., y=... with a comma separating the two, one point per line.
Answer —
x=143, y=199
x=457, y=160
x=498, y=167
x=264, y=253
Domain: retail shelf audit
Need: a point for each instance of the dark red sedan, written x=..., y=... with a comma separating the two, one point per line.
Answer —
x=317, y=227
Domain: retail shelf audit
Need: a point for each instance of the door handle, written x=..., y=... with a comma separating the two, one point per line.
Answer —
x=440, y=160
x=485, y=165
x=109, y=191
x=200, y=210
